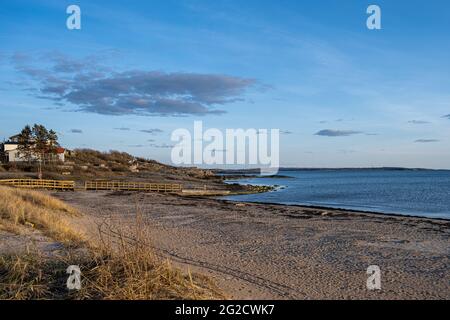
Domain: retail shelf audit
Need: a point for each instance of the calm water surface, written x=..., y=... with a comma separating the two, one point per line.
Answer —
x=421, y=192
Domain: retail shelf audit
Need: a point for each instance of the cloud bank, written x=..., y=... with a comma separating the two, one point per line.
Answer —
x=90, y=87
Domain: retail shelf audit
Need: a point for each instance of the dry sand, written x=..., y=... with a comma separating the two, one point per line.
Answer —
x=258, y=251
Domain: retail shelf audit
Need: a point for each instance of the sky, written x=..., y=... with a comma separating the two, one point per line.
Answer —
x=341, y=94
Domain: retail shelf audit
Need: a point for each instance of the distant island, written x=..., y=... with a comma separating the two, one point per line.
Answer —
x=257, y=170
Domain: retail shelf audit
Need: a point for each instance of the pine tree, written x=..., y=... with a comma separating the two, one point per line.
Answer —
x=40, y=134
x=52, y=141
x=37, y=142
x=25, y=143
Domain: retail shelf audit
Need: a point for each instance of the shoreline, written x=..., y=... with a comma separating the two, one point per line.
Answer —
x=388, y=214
x=275, y=188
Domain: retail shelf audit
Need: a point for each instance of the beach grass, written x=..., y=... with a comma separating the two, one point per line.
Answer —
x=118, y=265
x=39, y=211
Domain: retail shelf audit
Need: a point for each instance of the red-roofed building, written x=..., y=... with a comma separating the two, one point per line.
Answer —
x=9, y=152
x=60, y=152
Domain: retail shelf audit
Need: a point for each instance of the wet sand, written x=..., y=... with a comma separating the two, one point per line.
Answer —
x=262, y=251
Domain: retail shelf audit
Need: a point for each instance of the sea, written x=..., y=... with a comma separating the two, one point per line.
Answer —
x=424, y=193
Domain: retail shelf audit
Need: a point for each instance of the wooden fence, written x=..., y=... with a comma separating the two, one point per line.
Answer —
x=93, y=185
x=132, y=186
x=39, y=184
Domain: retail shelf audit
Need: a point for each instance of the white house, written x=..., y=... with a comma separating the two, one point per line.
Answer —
x=10, y=151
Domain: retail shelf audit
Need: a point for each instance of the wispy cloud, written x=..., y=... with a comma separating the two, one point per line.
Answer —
x=265, y=131
x=426, y=140
x=446, y=116
x=152, y=131
x=152, y=145
x=122, y=129
x=418, y=122
x=76, y=131
x=345, y=151
x=336, y=133
x=161, y=146
x=93, y=88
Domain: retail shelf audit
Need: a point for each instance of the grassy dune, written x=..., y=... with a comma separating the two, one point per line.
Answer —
x=117, y=266
x=37, y=210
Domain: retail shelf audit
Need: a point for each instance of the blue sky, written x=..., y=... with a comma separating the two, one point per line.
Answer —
x=345, y=96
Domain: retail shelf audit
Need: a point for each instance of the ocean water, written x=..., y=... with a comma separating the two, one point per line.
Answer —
x=409, y=192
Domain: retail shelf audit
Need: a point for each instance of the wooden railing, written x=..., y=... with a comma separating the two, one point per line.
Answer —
x=93, y=185
x=39, y=184
x=132, y=186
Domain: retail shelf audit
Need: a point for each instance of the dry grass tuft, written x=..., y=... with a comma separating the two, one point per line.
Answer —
x=124, y=266
x=31, y=276
x=104, y=276
x=140, y=276
x=40, y=211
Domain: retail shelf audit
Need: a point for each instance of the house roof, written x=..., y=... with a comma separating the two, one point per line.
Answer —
x=60, y=150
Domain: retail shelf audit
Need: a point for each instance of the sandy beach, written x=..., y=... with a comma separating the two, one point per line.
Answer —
x=262, y=251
